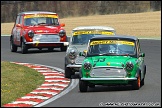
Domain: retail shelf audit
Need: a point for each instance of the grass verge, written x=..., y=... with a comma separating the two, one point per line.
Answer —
x=17, y=81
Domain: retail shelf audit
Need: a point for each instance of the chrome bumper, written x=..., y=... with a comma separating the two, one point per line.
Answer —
x=74, y=65
x=35, y=42
x=97, y=79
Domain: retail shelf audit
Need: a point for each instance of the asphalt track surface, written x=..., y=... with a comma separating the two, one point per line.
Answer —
x=148, y=95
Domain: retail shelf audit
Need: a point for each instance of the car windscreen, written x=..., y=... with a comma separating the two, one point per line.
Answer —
x=40, y=20
x=111, y=47
x=82, y=37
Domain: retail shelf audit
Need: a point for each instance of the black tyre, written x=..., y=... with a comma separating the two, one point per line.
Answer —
x=83, y=87
x=137, y=84
x=143, y=80
x=63, y=48
x=12, y=46
x=24, y=48
x=68, y=72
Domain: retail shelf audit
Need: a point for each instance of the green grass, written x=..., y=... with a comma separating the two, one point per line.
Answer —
x=17, y=81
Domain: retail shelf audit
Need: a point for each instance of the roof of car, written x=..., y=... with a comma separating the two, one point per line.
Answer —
x=125, y=37
x=36, y=12
x=93, y=27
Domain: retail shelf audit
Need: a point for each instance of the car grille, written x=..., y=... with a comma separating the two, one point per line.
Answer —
x=46, y=38
x=107, y=72
x=79, y=60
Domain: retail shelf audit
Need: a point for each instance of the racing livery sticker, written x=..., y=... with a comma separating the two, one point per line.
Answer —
x=40, y=15
x=111, y=42
x=93, y=32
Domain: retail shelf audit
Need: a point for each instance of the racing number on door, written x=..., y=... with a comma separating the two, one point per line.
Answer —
x=18, y=35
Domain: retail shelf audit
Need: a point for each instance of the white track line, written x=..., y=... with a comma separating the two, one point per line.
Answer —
x=38, y=97
x=54, y=77
x=25, y=102
x=53, y=88
x=52, y=93
x=63, y=85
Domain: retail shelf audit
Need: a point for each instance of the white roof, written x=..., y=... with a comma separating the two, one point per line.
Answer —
x=94, y=27
x=37, y=12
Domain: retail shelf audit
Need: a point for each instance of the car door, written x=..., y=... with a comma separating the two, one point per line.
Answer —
x=140, y=59
x=17, y=30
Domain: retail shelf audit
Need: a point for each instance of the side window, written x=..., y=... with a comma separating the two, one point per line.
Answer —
x=55, y=21
x=21, y=19
x=138, y=47
x=17, y=19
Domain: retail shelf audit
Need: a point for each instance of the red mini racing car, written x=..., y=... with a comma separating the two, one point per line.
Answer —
x=38, y=29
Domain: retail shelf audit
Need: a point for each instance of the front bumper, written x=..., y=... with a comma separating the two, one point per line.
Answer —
x=37, y=43
x=47, y=44
x=108, y=79
x=74, y=65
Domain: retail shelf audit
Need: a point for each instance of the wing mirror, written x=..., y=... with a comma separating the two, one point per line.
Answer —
x=84, y=53
x=62, y=24
x=18, y=25
x=142, y=55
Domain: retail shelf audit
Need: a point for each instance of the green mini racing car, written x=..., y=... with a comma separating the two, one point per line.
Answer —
x=112, y=60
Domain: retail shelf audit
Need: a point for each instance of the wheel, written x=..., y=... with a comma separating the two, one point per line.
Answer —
x=143, y=80
x=24, y=48
x=137, y=84
x=68, y=72
x=83, y=87
x=63, y=48
x=12, y=46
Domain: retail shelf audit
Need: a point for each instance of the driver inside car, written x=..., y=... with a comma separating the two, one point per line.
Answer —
x=104, y=48
x=28, y=21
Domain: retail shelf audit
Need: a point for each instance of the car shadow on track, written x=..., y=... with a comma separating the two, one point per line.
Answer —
x=105, y=88
x=35, y=51
x=100, y=88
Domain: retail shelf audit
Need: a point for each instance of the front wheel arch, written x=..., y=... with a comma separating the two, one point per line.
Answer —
x=13, y=47
x=24, y=47
x=137, y=83
x=80, y=73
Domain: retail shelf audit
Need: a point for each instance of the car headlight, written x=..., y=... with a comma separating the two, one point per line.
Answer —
x=62, y=33
x=87, y=66
x=31, y=33
x=72, y=54
x=129, y=66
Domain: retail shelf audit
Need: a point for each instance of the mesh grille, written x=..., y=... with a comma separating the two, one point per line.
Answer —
x=46, y=38
x=108, y=72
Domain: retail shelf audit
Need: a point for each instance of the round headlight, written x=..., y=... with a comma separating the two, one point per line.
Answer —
x=87, y=66
x=129, y=66
x=62, y=33
x=72, y=54
x=31, y=33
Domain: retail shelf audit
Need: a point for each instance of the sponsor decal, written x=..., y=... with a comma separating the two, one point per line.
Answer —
x=37, y=42
x=108, y=63
x=40, y=15
x=93, y=32
x=111, y=42
x=50, y=27
x=39, y=31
